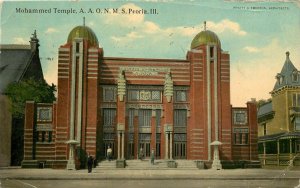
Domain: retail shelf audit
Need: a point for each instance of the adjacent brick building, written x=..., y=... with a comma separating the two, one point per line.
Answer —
x=177, y=107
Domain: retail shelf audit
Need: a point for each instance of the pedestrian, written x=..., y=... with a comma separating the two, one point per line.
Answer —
x=90, y=163
x=109, y=153
x=141, y=154
x=152, y=156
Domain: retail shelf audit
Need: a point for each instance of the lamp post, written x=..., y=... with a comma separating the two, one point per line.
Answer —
x=71, y=161
x=216, y=161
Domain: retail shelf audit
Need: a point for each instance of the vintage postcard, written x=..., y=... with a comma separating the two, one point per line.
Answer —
x=184, y=89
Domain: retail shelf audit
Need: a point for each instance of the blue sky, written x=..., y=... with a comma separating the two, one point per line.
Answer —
x=256, y=39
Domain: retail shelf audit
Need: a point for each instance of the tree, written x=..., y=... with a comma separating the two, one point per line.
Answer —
x=18, y=93
x=262, y=102
x=34, y=90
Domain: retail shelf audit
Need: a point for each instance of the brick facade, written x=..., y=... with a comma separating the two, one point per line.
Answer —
x=177, y=107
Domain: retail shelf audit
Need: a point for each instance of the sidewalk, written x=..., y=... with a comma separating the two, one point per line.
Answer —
x=124, y=174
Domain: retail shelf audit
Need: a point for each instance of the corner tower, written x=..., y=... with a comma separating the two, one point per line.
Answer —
x=210, y=95
x=77, y=98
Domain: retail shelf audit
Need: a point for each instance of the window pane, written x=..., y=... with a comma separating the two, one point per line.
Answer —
x=294, y=99
x=156, y=95
x=145, y=118
x=180, y=119
x=297, y=124
x=181, y=96
x=109, y=94
x=131, y=117
x=109, y=116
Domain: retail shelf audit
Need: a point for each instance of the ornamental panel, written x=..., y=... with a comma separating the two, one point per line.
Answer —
x=240, y=117
x=44, y=114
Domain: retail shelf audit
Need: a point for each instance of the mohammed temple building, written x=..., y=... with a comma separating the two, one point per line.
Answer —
x=180, y=108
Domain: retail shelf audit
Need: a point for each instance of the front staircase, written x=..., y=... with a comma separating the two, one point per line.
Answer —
x=146, y=165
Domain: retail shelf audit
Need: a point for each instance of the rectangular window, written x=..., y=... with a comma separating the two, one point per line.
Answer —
x=241, y=136
x=109, y=117
x=181, y=96
x=77, y=47
x=144, y=95
x=297, y=124
x=133, y=95
x=158, y=117
x=145, y=118
x=211, y=50
x=43, y=136
x=180, y=118
x=296, y=99
x=130, y=118
x=109, y=94
x=50, y=136
x=265, y=128
x=37, y=135
x=246, y=138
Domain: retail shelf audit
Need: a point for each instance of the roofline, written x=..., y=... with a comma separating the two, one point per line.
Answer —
x=145, y=59
x=15, y=46
x=283, y=88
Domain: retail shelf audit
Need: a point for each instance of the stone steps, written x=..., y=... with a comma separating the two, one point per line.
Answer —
x=146, y=164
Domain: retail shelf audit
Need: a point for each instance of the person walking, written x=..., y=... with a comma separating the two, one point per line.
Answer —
x=108, y=153
x=90, y=163
x=152, y=156
x=141, y=154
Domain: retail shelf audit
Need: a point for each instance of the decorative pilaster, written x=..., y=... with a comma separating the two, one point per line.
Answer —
x=168, y=91
x=121, y=130
x=121, y=86
x=168, y=128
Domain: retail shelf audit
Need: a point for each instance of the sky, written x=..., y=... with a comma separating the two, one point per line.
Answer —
x=255, y=33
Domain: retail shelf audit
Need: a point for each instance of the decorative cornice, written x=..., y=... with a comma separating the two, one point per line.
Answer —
x=144, y=71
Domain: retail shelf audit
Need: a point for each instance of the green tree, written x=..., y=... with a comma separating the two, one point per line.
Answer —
x=18, y=93
x=28, y=90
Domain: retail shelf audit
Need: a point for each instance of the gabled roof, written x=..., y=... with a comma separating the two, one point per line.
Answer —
x=14, y=60
x=286, y=75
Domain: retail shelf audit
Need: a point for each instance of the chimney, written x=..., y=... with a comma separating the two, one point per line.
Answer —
x=34, y=42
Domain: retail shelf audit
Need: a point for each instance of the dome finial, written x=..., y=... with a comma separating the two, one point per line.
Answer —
x=83, y=21
x=204, y=25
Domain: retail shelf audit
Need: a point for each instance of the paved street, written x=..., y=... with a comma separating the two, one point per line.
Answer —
x=173, y=178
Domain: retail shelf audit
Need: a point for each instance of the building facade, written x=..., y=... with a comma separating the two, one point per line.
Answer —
x=17, y=63
x=279, y=120
x=176, y=107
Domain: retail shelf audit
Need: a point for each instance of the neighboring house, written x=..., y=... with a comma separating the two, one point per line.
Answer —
x=17, y=62
x=279, y=120
x=178, y=107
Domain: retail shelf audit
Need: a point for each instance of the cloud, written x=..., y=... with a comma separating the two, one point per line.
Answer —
x=127, y=38
x=147, y=29
x=50, y=72
x=51, y=30
x=125, y=20
x=226, y=25
x=20, y=40
x=255, y=77
x=251, y=49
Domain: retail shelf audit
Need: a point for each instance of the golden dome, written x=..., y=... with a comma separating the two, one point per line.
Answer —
x=85, y=33
x=205, y=37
